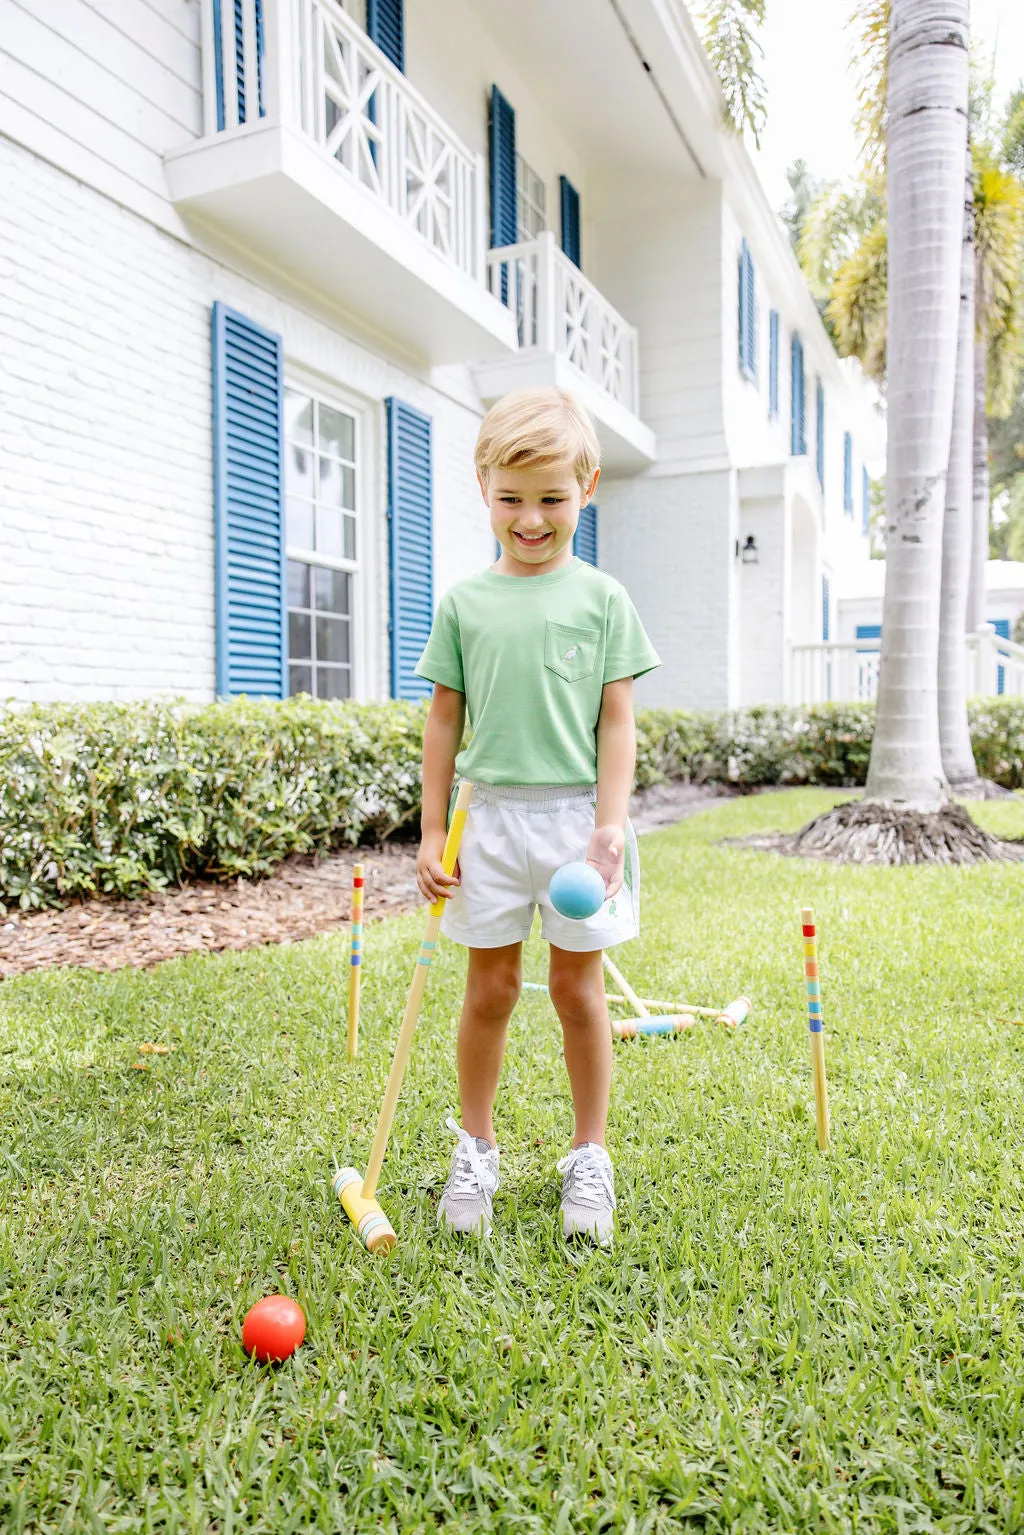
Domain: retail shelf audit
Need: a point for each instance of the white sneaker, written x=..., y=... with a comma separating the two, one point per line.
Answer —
x=468, y=1194
x=588, y=1193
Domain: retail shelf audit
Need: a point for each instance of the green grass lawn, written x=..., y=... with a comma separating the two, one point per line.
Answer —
x=781, y=1339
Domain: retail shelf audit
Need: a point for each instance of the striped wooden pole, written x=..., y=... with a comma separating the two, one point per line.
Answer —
x=356, y=960
x=817, y=1026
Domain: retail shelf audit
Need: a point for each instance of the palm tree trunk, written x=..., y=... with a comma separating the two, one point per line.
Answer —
x=926, y=161
x=957, y=531
x=976, y=607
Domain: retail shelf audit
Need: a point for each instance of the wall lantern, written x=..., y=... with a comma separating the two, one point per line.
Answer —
x=749, y=553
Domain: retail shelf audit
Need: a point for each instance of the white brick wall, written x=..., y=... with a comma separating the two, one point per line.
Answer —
x=668, y=540
x=106, y=576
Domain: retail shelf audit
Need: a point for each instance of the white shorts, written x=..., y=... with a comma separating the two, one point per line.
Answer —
x=514, y=840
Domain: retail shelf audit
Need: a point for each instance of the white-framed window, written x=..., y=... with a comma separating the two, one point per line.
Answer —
x=324, y=539
x=531, y=201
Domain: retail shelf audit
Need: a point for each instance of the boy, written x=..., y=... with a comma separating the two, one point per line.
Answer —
x=541, y=649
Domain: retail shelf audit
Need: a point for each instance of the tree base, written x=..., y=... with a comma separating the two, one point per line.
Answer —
x=980, y=788
x=871, y=831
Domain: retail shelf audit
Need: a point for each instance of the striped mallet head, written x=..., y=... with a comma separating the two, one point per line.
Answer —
x=735, y=1014
x=631, y=1028
x=373, y=1228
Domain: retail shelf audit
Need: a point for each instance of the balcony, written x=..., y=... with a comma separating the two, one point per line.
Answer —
x=569, y=335
x=319, y=159
x=848, y=672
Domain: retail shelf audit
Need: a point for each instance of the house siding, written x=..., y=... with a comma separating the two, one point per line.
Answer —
x=107, y=579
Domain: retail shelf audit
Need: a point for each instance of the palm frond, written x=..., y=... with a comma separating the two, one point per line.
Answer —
x=731, y=43
x=834, y=225
x=999, y=253
x=858, y=306
x=870, y=21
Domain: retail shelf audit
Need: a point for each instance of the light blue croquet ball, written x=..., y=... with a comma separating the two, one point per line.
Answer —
x=577, y=890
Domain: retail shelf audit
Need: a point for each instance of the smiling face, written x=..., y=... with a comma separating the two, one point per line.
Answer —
x=534, y=513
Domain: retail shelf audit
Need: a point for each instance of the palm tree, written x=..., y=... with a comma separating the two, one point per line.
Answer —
x=926, y=165
x=954, y=733
x=728, y=31
x=999, y=288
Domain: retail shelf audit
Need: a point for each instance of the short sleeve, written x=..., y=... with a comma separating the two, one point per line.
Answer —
x=628, y=652
x=441, y=661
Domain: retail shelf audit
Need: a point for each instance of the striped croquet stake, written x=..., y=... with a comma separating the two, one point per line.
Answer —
x=356, y=960
x=630, y=1028
x=817, y=1026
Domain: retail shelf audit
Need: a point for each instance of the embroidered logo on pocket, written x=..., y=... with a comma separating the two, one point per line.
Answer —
x=571, y=652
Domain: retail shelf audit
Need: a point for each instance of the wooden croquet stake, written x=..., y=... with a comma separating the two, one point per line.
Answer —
x=356, y=960
x=817, y=1026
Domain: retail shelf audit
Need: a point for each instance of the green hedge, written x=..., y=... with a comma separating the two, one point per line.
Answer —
x=123, y=798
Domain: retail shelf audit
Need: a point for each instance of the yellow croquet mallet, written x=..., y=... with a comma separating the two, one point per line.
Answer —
x=356, y=961
x=357, y=1194
x=817, y=1026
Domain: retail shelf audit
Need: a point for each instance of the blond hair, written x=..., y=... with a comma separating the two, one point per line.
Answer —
x=533, y=428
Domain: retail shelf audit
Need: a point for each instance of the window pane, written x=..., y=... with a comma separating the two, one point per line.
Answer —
x=337, y=433
x=298, y=416
x=298, y=471
x=300, y=680
x=298, y=584
x=333, y=590
x=332, y=639
x=299, y=636
x=350, y=537
x=299, y=523
x=329, y=534
x=333, y=682
x=337, y=484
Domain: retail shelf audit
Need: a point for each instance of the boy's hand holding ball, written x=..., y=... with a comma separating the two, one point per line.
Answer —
x=607, y=854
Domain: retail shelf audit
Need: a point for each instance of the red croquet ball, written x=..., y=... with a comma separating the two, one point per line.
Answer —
x=274, y=1328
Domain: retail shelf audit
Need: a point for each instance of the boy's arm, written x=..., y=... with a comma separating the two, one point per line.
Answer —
x=442, y=737
x=616, y=763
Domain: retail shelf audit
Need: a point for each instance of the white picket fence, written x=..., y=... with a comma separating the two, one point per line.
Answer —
x=848, y=672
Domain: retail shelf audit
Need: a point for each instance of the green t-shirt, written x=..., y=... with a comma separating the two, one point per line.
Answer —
x=532, y=654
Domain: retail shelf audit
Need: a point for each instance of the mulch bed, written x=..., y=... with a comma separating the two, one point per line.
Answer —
x=304, y=896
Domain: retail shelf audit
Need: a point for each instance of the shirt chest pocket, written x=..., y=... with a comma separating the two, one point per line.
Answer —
x=569, y=652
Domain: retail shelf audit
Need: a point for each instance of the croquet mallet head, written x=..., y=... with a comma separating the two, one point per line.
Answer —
x=373, y=1228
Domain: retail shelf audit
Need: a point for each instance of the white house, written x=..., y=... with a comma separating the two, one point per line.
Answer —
x=265, y=263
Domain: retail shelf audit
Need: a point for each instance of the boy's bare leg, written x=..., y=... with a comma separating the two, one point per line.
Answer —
x=576, y=984
x=493, y=984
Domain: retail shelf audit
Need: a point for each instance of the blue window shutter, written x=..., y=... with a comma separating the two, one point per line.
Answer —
x=798, y=440
x=773, y=364
x=747, y=317
x=229, y=66
x=411, y=537
x=1002, y=628
x=820, y=440
x=248, y=414
x=826, y=616
x=865, y=504
x=570, y=219
x=385, y=26
x=584, y=541
x=848, y=473
x=504, y=223
x=868, y=632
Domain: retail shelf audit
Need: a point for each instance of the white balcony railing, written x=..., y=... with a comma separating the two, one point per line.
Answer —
x=559, y=310
x=848, y=672
x=306, y=64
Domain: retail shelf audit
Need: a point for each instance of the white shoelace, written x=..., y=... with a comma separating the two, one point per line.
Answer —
x=592, y=1174
x=470, y=1175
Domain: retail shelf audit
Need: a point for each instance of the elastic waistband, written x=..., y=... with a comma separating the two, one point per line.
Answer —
x=535, y=796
